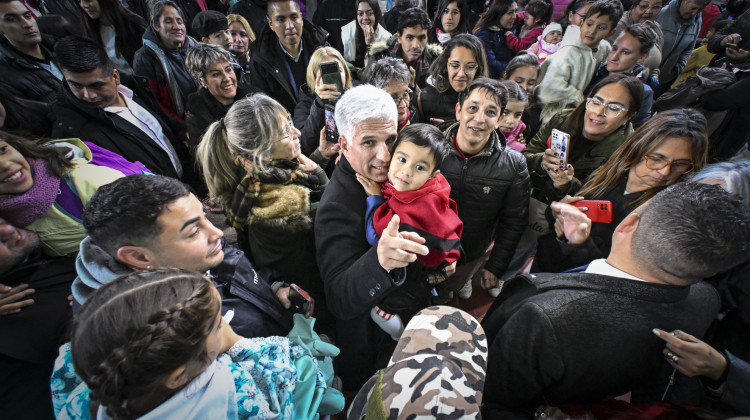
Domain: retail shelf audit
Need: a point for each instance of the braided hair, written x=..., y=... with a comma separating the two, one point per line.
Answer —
x=136, y=331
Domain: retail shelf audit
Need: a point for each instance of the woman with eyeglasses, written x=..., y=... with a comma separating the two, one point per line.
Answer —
x=359, y=34
x=254, y=167
x=597, y=127
x=453, y=17
x=393, y=76
x=462, y=61
x=669, y=146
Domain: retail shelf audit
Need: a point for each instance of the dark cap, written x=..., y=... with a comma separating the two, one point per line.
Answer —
x=207, y=22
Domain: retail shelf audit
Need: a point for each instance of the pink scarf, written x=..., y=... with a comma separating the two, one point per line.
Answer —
x=21, y=210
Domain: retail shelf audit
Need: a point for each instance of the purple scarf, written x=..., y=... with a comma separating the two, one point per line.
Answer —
x=23, y=209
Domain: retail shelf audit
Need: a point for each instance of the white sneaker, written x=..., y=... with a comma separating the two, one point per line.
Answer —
x=494, y=291
x=465, y=291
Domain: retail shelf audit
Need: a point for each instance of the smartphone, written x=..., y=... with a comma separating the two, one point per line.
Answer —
x=300, y=299
x=329, y=72
x=599, y=211
x=559, y=142
x=332, y=133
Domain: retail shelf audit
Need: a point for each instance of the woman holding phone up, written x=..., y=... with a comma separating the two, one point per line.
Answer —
x=667, y=147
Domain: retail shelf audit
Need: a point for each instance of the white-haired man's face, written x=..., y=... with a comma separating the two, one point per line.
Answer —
x=369, y=150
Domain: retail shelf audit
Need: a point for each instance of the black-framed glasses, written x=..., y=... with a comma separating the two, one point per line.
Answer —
x=403, y=98
x=657, y=163
x=610, y=110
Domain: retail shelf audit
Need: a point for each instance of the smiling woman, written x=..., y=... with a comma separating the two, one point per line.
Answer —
x=663, y=151
x=254, y=167
x=462, y=61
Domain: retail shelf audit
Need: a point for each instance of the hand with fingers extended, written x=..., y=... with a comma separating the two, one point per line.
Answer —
x=12, y=299
x=371, y=187
x=370, y=34
x=691, y=356
x=571, y=222
x=399, y=249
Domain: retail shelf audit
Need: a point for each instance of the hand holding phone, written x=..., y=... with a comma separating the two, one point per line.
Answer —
x=559, y=143
x=301, y=301
x=599, y=211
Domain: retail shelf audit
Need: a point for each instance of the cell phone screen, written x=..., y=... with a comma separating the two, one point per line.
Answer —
x=332, y=133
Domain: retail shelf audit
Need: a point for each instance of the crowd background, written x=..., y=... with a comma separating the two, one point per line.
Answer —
x=123, y=123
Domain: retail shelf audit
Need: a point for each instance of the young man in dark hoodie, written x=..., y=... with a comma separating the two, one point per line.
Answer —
x=162, y=58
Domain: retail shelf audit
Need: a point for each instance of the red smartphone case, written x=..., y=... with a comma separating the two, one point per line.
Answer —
x=599, y=211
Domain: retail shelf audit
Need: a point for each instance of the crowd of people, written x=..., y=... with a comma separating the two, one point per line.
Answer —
x=576, y=174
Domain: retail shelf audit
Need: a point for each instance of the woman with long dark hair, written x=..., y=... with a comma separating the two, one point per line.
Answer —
x=491, y=29
x=665, y=149
x=453, y=17
x=116, y=28
x=359, y=34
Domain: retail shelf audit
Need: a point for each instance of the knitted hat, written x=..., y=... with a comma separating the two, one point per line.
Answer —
x=554, y=26
x=436, y=371
x=207, y=22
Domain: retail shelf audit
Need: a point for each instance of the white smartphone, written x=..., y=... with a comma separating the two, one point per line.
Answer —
x=559, y=143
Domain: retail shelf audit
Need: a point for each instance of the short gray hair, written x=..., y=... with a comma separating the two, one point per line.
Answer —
x=734, y=177
x=386, y=71
x=201, y=56
x=362, y=103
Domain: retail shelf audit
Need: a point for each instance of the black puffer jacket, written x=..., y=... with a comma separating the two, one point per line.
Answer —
x=24, y=77
x=492, y=192
x=268, y=70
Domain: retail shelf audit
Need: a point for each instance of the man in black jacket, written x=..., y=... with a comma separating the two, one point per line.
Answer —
x=282, y=51
x=581, y=338
x=357, y=275
x=27, y=66
x=34, y=316
x=95, y=106
x=490, y=184
x=147, y=222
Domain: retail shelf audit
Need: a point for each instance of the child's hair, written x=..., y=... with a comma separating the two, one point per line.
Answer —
x=519, y=61
x=425, y=135
x=541, y=10
x=136, y=331
x=58, y=163
x=515, y=92
x=611, y=8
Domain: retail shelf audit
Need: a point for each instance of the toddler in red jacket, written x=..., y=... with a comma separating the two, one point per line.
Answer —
x=420, y=195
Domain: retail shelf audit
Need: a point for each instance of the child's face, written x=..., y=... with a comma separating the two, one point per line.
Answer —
x=553, y=37
x=512, y=115
x=595, y=28
x=411, y=166
x=526, y=77
x=529, y=20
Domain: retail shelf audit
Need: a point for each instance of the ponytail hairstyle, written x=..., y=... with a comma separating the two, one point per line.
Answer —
x=541, y=10
x=248, y=131
x=58, y=163
x=132, y=334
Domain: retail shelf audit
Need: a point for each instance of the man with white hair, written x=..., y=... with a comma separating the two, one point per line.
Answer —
x=357, y=275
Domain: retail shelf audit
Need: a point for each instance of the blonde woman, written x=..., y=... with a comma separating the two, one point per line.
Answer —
x=309, y=114
x=254, y=167
x=242, y=37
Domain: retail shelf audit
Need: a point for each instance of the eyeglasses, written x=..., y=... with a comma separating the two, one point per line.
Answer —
x=610, y=110
x=657, y=163
x=288, y=130
x=403, y=98
x=469, y=69
x=645, y=7
x=581, y=15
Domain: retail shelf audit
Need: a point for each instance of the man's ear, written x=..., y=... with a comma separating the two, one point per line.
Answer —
x=629, y=224
x=116, y=76
x=343, y=144
x=458, y=111
x=135, y=256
